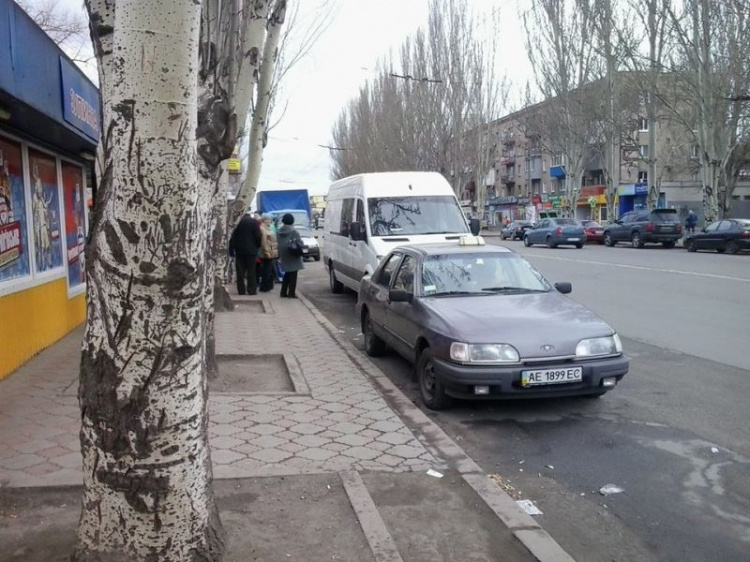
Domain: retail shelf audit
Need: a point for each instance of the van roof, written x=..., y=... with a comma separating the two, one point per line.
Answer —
x=393, y=184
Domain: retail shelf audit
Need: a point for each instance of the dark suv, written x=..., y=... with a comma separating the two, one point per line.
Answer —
x=660, y=226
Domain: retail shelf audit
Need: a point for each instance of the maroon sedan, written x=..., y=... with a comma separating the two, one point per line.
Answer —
x=594, y=231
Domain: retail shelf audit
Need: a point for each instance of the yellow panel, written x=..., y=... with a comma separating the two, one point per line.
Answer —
x=34, y=319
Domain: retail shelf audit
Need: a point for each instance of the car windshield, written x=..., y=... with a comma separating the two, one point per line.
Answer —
x=665, y=216
x=480, y=273
x=415, y=215
x=304, y=232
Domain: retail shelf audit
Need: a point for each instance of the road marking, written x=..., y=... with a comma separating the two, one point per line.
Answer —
x=645, y=268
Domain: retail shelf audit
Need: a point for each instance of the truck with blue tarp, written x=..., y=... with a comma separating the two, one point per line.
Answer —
x=278, y=203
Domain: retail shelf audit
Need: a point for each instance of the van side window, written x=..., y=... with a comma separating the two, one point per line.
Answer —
x=347, y=210
x=333, y=216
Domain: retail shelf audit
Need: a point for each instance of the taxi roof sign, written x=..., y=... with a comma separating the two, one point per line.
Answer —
x=471, y=241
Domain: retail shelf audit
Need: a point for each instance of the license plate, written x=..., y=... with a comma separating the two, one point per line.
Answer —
x=551, y=376
x=667, y=227
x=305, y=250
x=574, y=239
x=598, y=232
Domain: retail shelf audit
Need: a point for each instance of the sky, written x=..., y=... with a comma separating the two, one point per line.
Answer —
x=359, y=34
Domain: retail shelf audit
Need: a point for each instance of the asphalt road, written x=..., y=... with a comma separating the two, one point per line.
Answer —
x=684, y=318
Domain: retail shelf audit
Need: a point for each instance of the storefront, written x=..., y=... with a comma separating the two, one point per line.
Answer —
x=632, y=197
x=507, y=209
x=49, y=129
x=592, y=203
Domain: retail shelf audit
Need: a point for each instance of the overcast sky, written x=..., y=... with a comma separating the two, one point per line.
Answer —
x=360, y=33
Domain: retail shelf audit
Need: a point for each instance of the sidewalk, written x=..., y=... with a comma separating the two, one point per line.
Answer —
x=317, y=455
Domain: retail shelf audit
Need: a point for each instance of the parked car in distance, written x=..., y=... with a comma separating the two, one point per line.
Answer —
x=515, y=230
x=660, y=226
x=594, y=231
x=729, y=235
x=556, y=232
x=310, y=246
x=480, y=322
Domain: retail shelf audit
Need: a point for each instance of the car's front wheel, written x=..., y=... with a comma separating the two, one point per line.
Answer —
x=608, y=241
x=431, y=390
x=374, y=345
x=732, y=247
x=526, y=241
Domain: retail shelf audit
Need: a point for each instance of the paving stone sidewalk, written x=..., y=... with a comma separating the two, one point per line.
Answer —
x=337, y=421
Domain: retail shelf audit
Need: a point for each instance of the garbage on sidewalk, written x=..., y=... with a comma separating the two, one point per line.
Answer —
x=609, y=489
x=529, y=507
x=434, y=473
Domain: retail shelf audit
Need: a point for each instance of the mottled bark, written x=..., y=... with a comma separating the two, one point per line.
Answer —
x=259, y=126
x=143, y=387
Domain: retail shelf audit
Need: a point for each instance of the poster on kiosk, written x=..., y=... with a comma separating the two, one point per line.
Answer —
x=14, y=256
x=45, y=208
x=74, y=223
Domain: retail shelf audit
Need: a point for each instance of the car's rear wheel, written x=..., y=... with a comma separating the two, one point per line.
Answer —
x=317, y=258
x=579, y=245
x=550, y=243
x=690, y=246
x=732, y=247
x=608, y=241
x=431, y=390
x=526, y=241
x=636, y=240
x=337, y=287
x=374, y=346
x=668, y=244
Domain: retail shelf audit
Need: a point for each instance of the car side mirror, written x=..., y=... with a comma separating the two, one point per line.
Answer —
x=397, y=295
x=564, y=288
x=357, y=231
x=618, y=222
x=475, y=227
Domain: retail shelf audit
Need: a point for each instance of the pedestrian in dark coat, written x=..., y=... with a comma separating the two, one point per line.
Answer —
x=244, y=246
x=290, y=259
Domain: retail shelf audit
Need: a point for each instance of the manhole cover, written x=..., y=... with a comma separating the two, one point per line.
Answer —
x=252, y=374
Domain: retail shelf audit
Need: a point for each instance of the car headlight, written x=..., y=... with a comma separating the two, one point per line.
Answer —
x=609, y=345
x=484, y=353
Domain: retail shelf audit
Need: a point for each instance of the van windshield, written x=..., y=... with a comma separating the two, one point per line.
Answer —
x=401, y=216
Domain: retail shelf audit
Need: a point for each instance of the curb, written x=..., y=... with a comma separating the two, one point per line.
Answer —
x=536, y=540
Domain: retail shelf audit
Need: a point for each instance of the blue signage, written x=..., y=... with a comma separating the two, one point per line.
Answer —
x=641, y=189
x=80, y=100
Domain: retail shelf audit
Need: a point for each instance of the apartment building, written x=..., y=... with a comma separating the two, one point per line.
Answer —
x=529, y=175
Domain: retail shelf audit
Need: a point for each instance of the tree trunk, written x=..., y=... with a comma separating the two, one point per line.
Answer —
x=143, y=389
x=260, y=116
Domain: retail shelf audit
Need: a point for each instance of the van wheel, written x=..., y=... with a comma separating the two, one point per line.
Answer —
x=431, y=389
x=337, y=287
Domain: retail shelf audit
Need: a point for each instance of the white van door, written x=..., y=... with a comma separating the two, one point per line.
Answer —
x=346, y=270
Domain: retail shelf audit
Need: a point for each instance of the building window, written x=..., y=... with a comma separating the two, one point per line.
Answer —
x=643, y=125
x=642, y=177
x=557, y=160
x=643, y=150
x=694, y=152
x=544, y=187
x=644, y=98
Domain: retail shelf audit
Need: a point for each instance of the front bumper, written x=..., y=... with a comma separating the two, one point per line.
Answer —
x=312, y=252
x=505, y=382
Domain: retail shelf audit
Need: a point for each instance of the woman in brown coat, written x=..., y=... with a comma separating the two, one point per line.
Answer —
x=269, y=253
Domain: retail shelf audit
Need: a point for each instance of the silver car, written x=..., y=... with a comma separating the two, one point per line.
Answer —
x=480, y=322
x=554, y=232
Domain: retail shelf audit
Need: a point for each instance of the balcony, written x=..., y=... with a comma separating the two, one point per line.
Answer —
x=508, y=177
